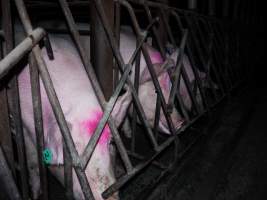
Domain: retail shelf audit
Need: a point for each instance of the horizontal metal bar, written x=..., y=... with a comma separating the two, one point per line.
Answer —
x=124, y=179
x=24, y=47
x=142, y=158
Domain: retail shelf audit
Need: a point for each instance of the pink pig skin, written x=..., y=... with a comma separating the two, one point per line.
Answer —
x=82, y=112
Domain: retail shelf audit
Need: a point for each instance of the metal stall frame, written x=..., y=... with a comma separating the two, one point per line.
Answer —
x=71, y=157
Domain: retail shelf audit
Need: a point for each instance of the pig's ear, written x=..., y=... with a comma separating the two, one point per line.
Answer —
x=158, y=67
x=121, y=107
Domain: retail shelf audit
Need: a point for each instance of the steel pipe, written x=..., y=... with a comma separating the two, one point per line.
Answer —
x=24, y=47
x=7, y=179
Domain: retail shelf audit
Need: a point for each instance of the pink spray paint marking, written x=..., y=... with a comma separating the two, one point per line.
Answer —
x=91, y=124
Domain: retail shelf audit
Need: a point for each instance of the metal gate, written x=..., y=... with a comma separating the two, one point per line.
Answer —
x=209, y=43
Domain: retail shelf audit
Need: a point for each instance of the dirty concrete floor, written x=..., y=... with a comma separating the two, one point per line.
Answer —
x=232, y=163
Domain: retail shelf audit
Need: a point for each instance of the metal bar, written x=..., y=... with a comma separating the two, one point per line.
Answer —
x=225, y=8
x=124, y=179
x=7, y=179
x=212, y=7
x=108, y=109
x=154, y=30
x=190, y=56
x=150, y=66
x=13, y=101
x=167, y=27
x=16, y=54
x=158, y=41
x=157, y=117
x=38, y=122
x=2, y=36
x=55, y=103
x=94, y=82
x=68, y=180
x=192, y=4
x=136, y=86
x=120, y=61
x=177, y=71
x=101, y=56
x=142, y=158
x=5, y=132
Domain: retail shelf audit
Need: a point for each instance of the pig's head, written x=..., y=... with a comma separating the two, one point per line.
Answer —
x=148, y=96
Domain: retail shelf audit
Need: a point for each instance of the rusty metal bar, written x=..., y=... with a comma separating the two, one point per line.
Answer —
x=190, y=56
x=108, y=109
x=68, y=180
x=96, y=87
x=7, y=178
x=136, y=86
x=154, y=30
x=16, y=54
x=55, y=103
x=13, y=102
x=120, y=61
x=150, y=66
x=38, y=122
x=177, y=70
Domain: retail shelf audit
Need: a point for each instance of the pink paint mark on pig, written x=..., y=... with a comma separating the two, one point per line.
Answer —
x=156, y=57
x=91, y=124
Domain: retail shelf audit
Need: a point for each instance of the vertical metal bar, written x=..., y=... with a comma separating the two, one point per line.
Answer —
x=68, y=180
x=7, y=179
x=192, y=4
x=13, y=102
x=155, y=32
x=236, y=9
x=38, y=121
x=55, y=103
x=225, y=8
x=212, y=7
x=94, y=81
x=121, y=64
x=157, y=117
x=117, y=26
x=191, y=59
x=101, y=56
x=150, y=66
x=5, y=132
x=136, y=86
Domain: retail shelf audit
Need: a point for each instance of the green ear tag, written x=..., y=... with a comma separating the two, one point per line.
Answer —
x=47, y=156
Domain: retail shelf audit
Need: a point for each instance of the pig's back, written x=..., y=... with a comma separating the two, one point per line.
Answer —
x=70, y=81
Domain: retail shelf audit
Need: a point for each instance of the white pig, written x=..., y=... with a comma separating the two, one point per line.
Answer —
x=82, y=112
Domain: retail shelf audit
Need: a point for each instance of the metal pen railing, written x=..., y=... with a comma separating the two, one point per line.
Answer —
x=192, y=43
